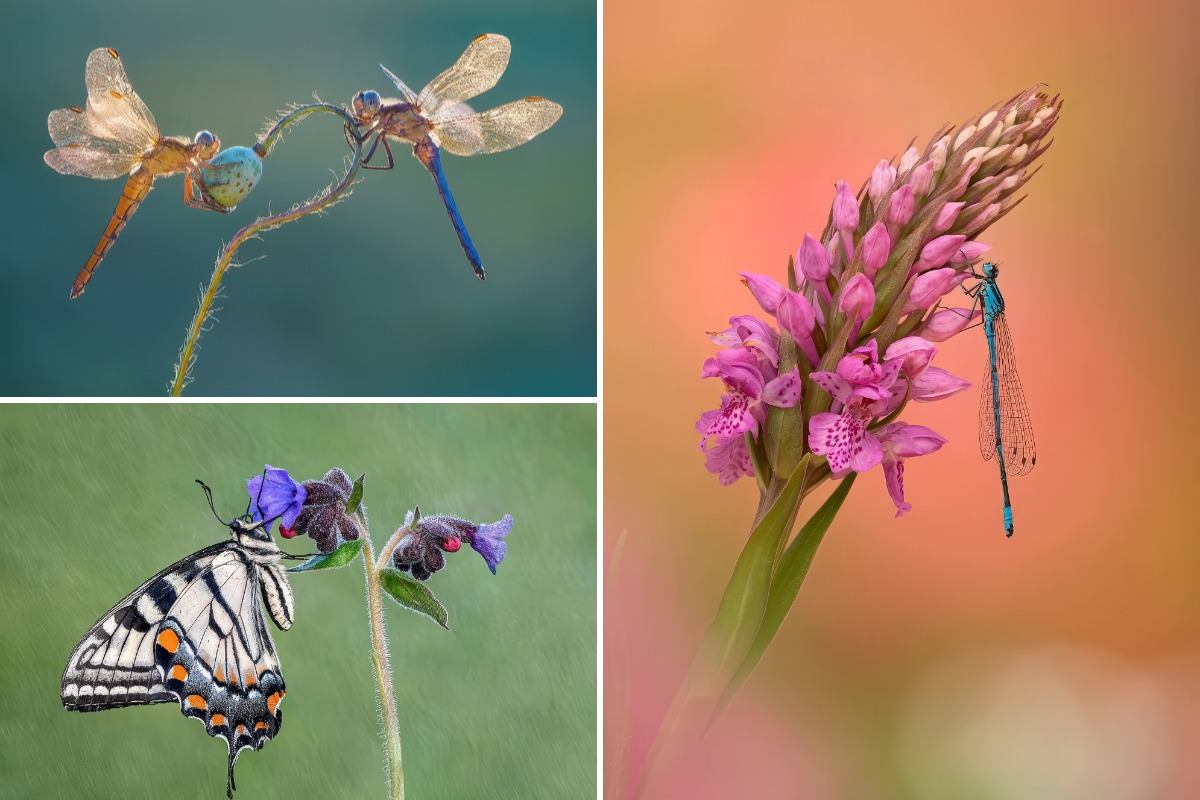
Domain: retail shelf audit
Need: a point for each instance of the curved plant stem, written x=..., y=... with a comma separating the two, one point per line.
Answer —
x=331, y=194
x=383, y=673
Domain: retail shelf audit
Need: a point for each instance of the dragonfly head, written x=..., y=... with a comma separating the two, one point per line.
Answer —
x=991, y=270
x=207, y=145
x=366, y=105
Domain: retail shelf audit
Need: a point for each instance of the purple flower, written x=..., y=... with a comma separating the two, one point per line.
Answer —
x=744, y=407
x=899, y=441
x=324, y=516
x=729, y=460
x=861, y=389
x=421, y=551
x=274, y=495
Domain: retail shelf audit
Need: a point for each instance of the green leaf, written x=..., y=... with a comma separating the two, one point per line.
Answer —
x=793, y=568
x=736, y=622
x=338, y=558
x=729, y=636
x=356, y=495
x=413, y=595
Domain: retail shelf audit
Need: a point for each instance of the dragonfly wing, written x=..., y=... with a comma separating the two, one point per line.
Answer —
x=1016, y=428
x=114, y=110
x=408, y=94
x=478, y=69
x=501, y=128
x=86, y=162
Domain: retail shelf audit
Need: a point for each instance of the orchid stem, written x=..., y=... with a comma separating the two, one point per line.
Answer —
x=187, y=354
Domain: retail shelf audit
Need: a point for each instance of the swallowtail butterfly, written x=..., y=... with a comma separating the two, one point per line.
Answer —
x=195, y=634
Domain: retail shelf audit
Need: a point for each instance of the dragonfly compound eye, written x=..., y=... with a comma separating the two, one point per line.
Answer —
x=207, y=143
x=366, y=104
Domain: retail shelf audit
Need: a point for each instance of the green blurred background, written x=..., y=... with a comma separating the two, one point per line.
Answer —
x=373, y=299
x=97, y=498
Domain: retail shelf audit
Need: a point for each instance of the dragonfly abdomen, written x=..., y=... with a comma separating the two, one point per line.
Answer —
x=136, y=188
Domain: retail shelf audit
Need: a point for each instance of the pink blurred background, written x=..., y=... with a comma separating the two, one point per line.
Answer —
x=927, y=656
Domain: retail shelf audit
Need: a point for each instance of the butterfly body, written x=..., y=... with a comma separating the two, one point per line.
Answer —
x=195, y=634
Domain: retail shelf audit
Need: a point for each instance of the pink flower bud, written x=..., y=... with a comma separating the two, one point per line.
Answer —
x=845, y=210
x=937, y=252
x=797, y=318
x=858, y=298
x=907, y=160
x=813, y=260
x=882, y=180
x=874, y=249
x=767, y=291
x=900, y=209
x=929, y=287
x=947, y=322
x=922, y=179
x=970, y=252
x=946, y=217
x=938, y=156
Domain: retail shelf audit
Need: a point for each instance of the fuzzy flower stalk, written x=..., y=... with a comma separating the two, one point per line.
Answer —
x=330, y=511
x=816, y=384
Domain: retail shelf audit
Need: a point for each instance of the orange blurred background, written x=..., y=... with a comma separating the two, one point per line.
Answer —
x=927, y=656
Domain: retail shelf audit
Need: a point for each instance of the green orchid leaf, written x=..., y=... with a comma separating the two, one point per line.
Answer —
x=793, y=568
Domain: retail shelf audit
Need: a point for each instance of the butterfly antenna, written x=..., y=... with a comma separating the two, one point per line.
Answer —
x=255, y=503
x=208, y=494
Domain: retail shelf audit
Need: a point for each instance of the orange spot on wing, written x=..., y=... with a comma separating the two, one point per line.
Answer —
x=178, y=673
x=117, y=95
x=248, y=679
x=196, y=701
x=112, y=52
x=168, y=641
x=218, y=719
x=77, y=109
x=479, y=38
x=260, y=726
x=273, y=701
x=219, y=675
x=242, y=731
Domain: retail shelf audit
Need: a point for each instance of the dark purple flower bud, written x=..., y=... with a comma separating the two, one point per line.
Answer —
x=323, y=516
x=274, y=495
x=421, y=552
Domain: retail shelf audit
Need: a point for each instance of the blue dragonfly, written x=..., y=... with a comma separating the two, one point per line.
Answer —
x=1005, y=430
x=439, y=119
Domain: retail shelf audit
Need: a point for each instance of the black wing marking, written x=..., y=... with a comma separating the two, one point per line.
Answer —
x=202, y=641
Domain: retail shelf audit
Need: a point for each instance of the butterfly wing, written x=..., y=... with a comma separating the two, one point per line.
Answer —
x=196, y=634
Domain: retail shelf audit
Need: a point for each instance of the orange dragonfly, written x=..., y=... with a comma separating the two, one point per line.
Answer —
x=116, y=135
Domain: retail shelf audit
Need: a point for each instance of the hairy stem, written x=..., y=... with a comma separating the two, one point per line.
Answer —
x=388, y=548
x=383, y=674
x=187, y=353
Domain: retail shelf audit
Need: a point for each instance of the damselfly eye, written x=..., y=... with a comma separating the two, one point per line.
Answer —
x=366, y=104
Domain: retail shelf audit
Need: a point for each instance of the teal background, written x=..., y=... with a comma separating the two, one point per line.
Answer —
x=375, y=298
x=96, y=498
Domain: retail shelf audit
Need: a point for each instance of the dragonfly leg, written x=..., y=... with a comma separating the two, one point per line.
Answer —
x=387, y=148
x=194, y=197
